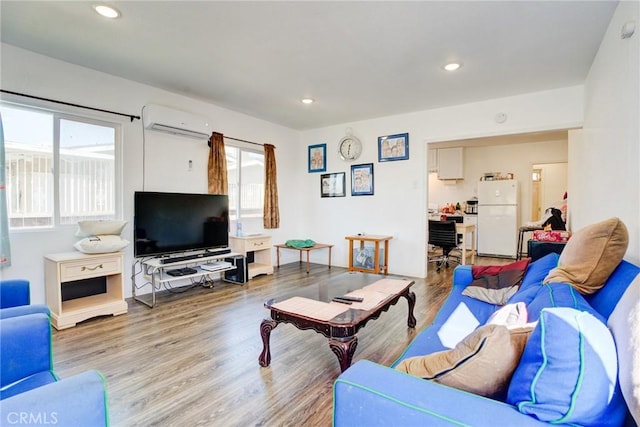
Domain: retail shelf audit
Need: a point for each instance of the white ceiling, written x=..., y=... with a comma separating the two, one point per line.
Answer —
x=357, y=59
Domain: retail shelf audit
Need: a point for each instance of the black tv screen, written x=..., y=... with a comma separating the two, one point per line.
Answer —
x=179, y=222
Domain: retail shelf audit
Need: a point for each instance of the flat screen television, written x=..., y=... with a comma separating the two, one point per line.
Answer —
x=165, y=223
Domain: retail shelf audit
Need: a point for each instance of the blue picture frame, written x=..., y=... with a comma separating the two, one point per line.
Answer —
x=362, y=180
x=317, y=158
x=393, y=147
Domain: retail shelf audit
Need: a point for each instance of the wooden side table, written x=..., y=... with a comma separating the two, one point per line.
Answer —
x=68, y=277
x=257, y=250
x=377, y=268
x=307, y=250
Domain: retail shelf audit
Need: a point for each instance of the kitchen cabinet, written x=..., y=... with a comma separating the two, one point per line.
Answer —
x=450, y=163
x=432, y=160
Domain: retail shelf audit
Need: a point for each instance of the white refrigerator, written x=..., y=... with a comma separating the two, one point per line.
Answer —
x=498, y=217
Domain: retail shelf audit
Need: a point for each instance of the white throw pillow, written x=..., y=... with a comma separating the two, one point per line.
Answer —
x=100, y=228
x=624, y=323
x=460, y=323
x=101, y=244
x=510, y=315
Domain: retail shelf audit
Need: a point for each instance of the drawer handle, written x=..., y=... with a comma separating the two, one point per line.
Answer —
x=91, y=268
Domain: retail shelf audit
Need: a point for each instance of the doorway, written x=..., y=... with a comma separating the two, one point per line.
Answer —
x=548, y=185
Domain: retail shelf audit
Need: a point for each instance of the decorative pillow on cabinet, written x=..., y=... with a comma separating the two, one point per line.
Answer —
x=101, y=244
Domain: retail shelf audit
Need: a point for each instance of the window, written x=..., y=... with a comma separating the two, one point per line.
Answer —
x=245, y=172
x=59, y=169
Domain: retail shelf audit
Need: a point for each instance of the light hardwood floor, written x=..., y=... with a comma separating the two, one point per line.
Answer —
x=193, y=359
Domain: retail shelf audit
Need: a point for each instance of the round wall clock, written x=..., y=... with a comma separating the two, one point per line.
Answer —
x=349, y=148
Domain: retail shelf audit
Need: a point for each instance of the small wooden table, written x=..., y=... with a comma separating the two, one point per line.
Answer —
x=464, y=228
x=307, y=250
x=377, y=268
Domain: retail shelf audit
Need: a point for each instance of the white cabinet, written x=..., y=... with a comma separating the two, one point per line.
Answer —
x=80, y=286
x=450, y=163
x=432, y=160
x=257, y=250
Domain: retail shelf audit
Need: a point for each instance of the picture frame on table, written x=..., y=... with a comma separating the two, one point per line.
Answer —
x=362, y=180
x=393, y=147
x=332, y=185
x=317, y=158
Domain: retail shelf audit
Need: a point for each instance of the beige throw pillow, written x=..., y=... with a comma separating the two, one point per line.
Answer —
x=100, y=228
x=482, y=363
x=591, y=255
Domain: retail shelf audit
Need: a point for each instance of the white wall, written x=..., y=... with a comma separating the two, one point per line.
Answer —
x=166, y=157
x=399, y=205
x=507, y=158
x=609, y=158
x=604, y=177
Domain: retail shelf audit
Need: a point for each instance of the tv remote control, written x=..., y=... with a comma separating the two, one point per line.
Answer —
x=341, y=301
x=352, y=299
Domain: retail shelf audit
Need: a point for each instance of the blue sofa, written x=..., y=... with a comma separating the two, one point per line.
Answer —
x=31, y=393
x=374, y=395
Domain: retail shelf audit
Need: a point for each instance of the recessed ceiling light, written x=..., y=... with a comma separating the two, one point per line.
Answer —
x=452, y=66
x=106, y=11
x=307, y=101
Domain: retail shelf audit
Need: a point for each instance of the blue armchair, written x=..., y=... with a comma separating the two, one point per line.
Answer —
x=30, y=392
x=15, y=299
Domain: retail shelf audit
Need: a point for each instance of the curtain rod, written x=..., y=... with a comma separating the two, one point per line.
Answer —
x=131, y=117
x=237, y=139
x=243, y=140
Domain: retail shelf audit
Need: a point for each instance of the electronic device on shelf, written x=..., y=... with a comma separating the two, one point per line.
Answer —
x=171, y=260
x=213, y=252
x=174, y=259
x=182, y=271
x=241, y=273
x=215, y=266
x=166, y=223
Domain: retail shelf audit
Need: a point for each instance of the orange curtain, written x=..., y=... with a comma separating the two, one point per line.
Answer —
x=271, y=217
x=217, y=171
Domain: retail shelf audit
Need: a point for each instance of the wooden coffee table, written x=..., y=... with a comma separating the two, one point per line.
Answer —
x=338, y=322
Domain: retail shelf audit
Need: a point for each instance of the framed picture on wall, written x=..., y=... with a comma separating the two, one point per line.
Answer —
x=317, y=158
x=332, y=185
x=393, y=147
x=362, y=180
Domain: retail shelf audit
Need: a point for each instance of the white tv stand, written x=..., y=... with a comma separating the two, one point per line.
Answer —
x=156, y=272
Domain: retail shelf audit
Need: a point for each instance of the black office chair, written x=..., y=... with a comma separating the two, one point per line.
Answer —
x=458, y=219
x=443, y=234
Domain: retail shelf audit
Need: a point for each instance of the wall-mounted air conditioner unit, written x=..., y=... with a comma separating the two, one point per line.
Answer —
x=176, y=122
